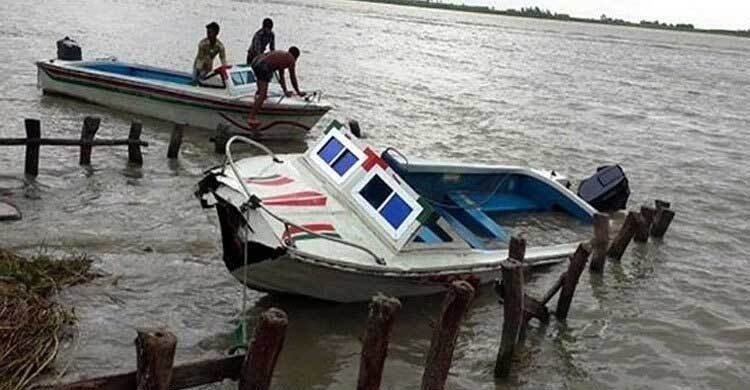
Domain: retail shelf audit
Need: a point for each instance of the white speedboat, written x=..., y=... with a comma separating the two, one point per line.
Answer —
x=225, y=97
x=342, y=222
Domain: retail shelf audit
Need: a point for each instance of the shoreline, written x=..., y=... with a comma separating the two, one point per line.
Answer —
x=547, y=15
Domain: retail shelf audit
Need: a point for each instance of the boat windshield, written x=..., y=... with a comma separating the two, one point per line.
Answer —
x=242, y=77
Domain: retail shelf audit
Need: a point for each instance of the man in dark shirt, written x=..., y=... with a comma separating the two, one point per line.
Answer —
x=264, y=66
x=262, y=38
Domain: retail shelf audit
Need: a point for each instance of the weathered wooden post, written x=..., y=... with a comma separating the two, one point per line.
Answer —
x=648, y=214
x=175, y=141
x=383, y=312
x=221, y=137
x=155, y=355
x=517, y=249
x=599, y=243
x=90, y=127
x=134, y=147
x=662, y=220
x=260, y=360
x=513, y=315
x=440, y=356
x=623, y=237
x=641, y=228
x=33, y=134
x=575, y=268
x=662, y=204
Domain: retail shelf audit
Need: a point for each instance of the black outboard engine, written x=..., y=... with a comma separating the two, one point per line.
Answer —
x=607, y=189
x=68, y=50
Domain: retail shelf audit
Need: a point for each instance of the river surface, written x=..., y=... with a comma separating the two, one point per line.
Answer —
x=671, y=107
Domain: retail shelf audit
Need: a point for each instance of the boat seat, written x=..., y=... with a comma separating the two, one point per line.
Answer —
x=464, y=232
x=493, y=203
x=426, y=235
x=479, y=217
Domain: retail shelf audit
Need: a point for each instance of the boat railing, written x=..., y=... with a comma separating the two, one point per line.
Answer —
x=254, y=202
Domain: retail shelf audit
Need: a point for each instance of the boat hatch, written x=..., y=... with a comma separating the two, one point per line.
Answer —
x=383, y=199
x=335, y=155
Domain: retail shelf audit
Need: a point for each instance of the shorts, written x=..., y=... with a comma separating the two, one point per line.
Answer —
x=263, y=71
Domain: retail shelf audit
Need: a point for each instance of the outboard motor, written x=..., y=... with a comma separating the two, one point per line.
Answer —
x=607, y=189
x=68, y=50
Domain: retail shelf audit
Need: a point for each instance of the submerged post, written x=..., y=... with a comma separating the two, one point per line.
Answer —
x=154, y=358
x=260, y=360
x=599, y=243
x=90, y=127
x=175, y=140
x=33, y=134
x=662, y=220
x=134, y=147
x=641, y=228
x=623, y=237
x=440, y=356
x=513, y=315
x=383, y=312
x=517, y=249
x=572, y=275
x=221, y=138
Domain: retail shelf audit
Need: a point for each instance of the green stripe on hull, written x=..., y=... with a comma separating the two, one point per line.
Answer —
x=308, y=236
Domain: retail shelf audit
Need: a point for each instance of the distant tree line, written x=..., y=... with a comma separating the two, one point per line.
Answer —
x=536, y=12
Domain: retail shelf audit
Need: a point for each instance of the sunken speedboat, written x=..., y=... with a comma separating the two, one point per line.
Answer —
x=342, y=222
x=225, y=96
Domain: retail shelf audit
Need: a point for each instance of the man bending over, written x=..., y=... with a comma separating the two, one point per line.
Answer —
x=264, y=66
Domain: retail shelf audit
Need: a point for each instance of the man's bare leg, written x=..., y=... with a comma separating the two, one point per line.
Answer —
x=260, y=97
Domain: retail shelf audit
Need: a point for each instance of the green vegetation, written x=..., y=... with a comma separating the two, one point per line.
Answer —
x=31, y=324
x=536, y=12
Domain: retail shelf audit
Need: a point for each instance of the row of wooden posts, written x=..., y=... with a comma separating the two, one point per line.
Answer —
x=155, y=348
x=86, y=142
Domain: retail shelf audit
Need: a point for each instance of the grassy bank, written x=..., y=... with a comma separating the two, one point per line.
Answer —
x=536, y=13
x=31, y=322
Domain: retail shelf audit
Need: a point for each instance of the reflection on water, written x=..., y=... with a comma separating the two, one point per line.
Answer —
x=669, y=107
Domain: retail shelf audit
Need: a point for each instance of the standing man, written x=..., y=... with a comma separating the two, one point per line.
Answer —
x=263, y=66
x=208, y=48
x=262, y=38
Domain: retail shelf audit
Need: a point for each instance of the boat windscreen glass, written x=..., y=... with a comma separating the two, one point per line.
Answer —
x=242, y=78
x=337, y=156
x=386, y=201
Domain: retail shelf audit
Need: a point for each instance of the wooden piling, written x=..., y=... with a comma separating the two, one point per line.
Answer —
x=154, y=358
x=517, y=249
x=662, y=220
x=572, y=275
x=90, y=127
x=175, y=140
x=599, y=243
x=513, y=315
x=221, y=137
x=33, y=131
x=641, y=228
x=134, y=148
x=623, y=237
x=662, y=204
x=440, y=356
x=648, y=214
x=260, y=360
x=383, y=312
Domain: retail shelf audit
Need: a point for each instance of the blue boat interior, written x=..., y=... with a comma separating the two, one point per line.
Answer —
x=142, y=72
x=472, y=203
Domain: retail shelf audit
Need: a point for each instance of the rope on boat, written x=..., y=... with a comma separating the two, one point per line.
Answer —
x=286, y=222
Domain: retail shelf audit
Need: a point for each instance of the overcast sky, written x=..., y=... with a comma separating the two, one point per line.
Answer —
x=730, y=14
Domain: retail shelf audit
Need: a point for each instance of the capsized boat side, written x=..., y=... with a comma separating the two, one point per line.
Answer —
x=342, y=222
x=225, y=98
